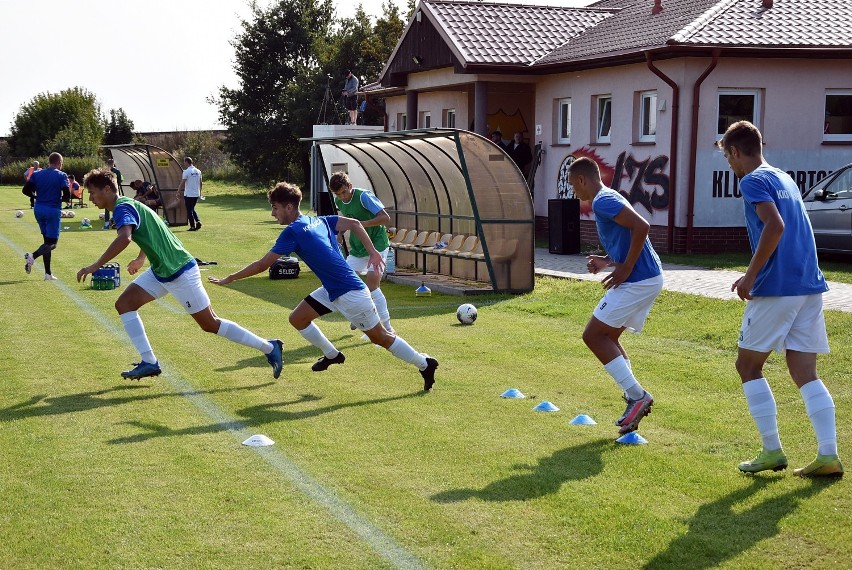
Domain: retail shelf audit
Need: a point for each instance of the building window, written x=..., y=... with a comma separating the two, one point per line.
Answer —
x=401, y=121
x=425, y=119
x=604, y=118
x=450, y=118
x=838, y=115
x=564, y=118
x=647, y=116
x=738, y=105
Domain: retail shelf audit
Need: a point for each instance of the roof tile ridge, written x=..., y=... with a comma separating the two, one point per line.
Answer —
x=703, y=20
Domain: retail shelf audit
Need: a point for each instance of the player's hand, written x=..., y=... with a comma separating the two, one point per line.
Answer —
x=134, y=266
x=218, y=281
x=618, y=276
x=743, y=288
x=88, y=270
x=376, y=262
x=596, y=263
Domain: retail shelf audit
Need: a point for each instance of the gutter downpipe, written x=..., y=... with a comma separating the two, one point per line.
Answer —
x=675, y=113
x=693, y=150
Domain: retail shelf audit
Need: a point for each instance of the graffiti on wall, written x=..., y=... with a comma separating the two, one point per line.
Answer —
x=643, y=182
x=726, y=185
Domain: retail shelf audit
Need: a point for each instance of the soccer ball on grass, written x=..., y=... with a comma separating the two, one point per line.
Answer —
x=19, y=214
x=466, y=314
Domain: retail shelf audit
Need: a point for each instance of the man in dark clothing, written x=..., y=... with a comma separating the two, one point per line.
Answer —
x=520, y=152
x=111, y=165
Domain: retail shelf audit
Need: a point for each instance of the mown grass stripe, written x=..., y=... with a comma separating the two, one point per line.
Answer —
x=381, y=543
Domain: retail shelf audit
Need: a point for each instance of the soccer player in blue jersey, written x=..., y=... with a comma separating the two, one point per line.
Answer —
x=783, y=287
x=313, y=240
x=173, y=270
x=631, y=287
x=50, y=188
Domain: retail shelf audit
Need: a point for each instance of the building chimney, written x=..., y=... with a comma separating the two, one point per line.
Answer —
x=767, y=4
x=658, y=6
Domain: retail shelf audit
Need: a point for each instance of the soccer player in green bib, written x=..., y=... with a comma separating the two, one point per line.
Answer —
x=173, y=270
x=363, y=206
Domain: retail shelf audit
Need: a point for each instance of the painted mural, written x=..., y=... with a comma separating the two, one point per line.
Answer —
x=644, y=182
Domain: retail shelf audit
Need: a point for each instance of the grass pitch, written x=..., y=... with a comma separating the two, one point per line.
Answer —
x=368, y=472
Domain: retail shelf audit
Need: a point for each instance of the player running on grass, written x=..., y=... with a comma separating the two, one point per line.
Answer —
x=631, y=288
x=367, y=209
x=313, y=239
x=783, y=286
x=173, y=270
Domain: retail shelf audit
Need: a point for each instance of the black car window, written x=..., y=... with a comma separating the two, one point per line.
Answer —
x=841, y=187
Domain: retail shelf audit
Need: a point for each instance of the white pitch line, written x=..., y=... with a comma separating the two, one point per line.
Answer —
x=381, y=543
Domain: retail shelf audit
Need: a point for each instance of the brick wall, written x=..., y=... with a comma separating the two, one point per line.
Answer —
x=704, y=240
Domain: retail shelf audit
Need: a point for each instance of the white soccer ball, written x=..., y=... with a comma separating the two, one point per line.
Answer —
x=70, y=213
x=85, y=222
x=19, y=214
x=466, y=314
x=101, y=216
x=63, y=214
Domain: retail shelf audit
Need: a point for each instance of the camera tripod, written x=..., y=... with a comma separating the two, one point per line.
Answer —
x=330, y=104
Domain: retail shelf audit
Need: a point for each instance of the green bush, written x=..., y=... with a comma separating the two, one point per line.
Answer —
x=13, y=172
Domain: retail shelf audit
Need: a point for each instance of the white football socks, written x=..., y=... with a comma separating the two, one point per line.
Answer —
x=382, y=307
x=761, y=406
x=313, y=335
x=620, y=372
x=404, y=351
x=235, y=333
x=820, y=408
x=136, y=331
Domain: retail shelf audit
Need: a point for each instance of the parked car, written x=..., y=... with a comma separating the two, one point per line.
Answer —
x=829, y=206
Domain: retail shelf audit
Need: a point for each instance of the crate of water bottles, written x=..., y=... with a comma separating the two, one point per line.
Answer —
x=107, y=277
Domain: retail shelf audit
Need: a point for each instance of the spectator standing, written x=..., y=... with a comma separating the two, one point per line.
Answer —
x=190, y=186
x=497, y=138
x=520, y=152
x=350, y=94
x=49, y=187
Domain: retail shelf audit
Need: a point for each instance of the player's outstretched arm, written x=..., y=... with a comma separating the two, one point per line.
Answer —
x=252, y=268
x=119, y=244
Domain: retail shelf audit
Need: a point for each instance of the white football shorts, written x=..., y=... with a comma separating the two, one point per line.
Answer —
x=778, y=323
x=628, y=304
x=186, y=288
x=356, y=306
x=359, y=264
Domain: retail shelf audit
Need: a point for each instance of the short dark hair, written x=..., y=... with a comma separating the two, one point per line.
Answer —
x=285, y=193
x=743, y=135
x=338, y=180
x=585, y=166
x=101, y=178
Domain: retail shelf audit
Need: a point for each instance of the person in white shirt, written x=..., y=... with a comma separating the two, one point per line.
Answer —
x=190, y=186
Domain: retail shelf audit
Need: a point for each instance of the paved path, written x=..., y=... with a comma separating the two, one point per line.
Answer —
x=681, y=278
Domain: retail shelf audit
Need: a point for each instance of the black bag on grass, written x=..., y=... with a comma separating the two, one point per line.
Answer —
x=284, y=268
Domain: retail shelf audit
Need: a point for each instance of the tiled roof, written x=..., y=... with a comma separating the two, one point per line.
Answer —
x=486, y=33
x=631, y=29
x=789, y=23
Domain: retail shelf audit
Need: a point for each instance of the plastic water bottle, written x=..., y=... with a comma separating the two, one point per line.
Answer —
x=390, y=262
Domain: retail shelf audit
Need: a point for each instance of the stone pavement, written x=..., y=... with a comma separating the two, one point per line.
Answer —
x=681, y=278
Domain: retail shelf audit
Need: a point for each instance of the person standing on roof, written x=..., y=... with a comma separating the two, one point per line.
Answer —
x=350, y=93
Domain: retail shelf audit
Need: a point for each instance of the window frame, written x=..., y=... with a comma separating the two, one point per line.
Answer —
x=449, y=117
x=563, y=119
x=756, y=110
x=834, y=137
x=603, y=118
x=652, y=112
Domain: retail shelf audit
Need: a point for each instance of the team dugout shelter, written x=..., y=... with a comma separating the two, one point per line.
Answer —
x=459, y=206
x=152, y=164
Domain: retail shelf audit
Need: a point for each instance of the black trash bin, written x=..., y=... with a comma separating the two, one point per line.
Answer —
x=563, y=220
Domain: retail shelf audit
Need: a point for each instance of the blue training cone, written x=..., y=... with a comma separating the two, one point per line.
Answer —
x=632, y=438
x=512, y=393
x=546, y=406
x=583, y=420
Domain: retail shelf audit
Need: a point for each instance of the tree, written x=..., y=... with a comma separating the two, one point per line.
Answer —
x=274, y=53
x=119, y=129
x=68, y=122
